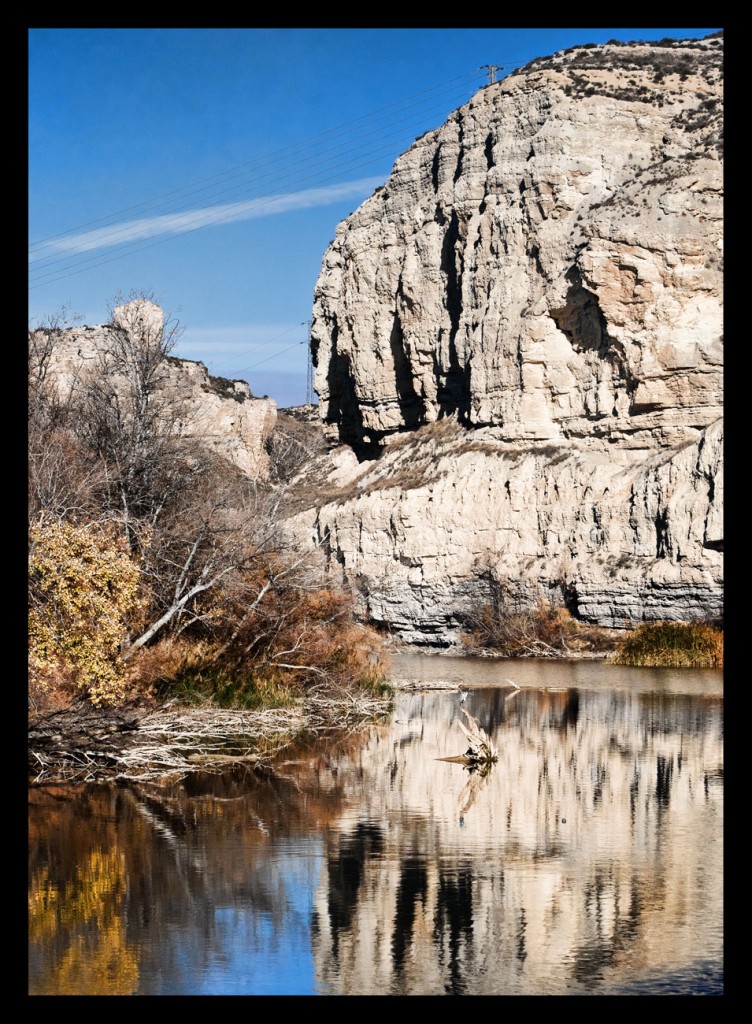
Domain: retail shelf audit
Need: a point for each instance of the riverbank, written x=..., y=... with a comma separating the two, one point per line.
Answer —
x=170, y=740
x=152, y=739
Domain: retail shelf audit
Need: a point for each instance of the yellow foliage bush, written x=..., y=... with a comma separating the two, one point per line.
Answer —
x=84, y=592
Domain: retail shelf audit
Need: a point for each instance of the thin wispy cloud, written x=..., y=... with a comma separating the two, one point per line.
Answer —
x=190, y=220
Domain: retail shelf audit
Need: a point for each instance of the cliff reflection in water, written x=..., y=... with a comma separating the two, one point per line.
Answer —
x=588, y=859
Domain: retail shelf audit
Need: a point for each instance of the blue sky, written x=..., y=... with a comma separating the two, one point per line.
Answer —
x=211, y=166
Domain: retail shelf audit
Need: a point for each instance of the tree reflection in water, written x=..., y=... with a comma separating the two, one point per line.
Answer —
x=587, y=859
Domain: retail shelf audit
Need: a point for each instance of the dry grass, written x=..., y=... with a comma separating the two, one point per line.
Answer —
x=672, y=645
x=408, y=461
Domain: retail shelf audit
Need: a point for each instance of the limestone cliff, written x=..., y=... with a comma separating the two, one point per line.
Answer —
x=221, y=412
x=545, y=270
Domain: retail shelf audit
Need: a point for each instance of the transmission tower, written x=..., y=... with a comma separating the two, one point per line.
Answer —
x=492, y=69
x=309, y=366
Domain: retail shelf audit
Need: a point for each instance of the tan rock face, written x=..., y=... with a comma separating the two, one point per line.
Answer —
x=547, y=261
x=546, y=268
x=420, y=533
x=222, y=413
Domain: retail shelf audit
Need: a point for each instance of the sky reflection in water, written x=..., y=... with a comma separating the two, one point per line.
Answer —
x=587, y=860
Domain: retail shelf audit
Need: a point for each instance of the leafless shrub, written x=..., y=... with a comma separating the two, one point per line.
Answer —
x=293, y=444
x=546, y=630
x=214, y=566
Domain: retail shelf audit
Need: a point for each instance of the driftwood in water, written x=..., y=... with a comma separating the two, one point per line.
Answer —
x=481, y=750
x=168, y=741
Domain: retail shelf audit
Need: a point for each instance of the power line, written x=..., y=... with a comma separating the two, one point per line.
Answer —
x=305, y=146
x=274, y=355
x=363, y=140
x=382, y=131
x=53, y=268
x=283, y=165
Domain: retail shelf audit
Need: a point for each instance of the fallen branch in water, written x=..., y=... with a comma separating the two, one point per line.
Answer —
x=171, y=741
x=481, y=750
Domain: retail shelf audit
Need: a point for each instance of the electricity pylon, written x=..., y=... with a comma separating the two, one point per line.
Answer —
x=309, y=367
x=492, y=69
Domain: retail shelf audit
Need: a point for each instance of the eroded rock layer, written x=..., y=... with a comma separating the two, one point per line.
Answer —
x=545, y=269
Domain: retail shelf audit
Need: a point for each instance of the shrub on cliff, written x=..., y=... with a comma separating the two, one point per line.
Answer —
x=504, y=627
x=545, y=631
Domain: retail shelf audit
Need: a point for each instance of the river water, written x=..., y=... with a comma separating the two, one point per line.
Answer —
x=588, y=860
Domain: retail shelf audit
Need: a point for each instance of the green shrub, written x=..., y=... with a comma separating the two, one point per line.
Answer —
x=202, y=684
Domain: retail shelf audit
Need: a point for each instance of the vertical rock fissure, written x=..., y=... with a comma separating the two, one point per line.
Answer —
x=435, y=168
x=411, y=408
x=344, y=408
x=453, y=392
x=488, y=151
x=663, y=545
x=458, y=167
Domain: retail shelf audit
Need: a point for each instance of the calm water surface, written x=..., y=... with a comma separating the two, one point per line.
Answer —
x=588, y=860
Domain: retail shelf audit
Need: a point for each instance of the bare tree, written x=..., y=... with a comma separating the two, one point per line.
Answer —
x=42, y=338
x=64, y=483
x=293, y=444
x=132, y=413
x=213, y=562
x=61, y=474
x=219, y=529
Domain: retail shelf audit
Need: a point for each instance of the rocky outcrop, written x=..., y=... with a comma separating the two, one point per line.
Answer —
x=222, y=413
x=548, y=261
x=545, y=271
x=424, y=533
